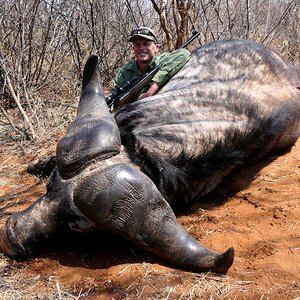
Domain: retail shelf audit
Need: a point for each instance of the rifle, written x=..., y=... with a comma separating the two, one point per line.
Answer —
x=115, y=97
x=114, y=100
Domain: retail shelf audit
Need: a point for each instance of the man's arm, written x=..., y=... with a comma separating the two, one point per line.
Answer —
x=170, y=63
x=153, y=89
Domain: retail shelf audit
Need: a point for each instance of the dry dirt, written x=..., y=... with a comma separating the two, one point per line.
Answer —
x=257, y=211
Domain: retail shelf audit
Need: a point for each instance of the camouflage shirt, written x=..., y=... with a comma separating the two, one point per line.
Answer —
x=170, y=63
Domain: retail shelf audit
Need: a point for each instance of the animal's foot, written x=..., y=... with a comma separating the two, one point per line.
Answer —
x=42, y=167
x=5, y=245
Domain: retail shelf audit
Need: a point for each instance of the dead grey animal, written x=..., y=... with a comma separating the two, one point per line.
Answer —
x=234, y=102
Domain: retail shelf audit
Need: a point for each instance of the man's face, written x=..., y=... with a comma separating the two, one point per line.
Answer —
x=144, y=50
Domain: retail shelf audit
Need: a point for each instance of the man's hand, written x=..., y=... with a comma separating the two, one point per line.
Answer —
x=154, y=87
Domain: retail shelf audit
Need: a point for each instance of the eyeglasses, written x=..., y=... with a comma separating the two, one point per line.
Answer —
x=142, y=31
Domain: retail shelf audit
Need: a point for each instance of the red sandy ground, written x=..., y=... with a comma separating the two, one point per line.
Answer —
x=261, y=219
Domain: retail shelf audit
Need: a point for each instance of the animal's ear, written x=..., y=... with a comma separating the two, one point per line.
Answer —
x=94, y=134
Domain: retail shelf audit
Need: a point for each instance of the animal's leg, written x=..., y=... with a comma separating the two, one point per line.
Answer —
x=42, y=167
x=125, y=201
x=24, y=232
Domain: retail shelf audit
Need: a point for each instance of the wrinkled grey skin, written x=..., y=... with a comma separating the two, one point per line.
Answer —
x=234, y=102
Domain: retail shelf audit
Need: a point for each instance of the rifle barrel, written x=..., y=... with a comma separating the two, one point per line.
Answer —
x=194, y=36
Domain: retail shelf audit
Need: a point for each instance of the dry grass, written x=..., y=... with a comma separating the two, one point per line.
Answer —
x=185, y=286
x=49, y=125
x=15, y=284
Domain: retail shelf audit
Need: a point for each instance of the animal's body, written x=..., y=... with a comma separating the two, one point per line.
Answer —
x=234, y=102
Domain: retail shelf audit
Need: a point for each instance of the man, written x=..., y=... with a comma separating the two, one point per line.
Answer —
x=146, y=50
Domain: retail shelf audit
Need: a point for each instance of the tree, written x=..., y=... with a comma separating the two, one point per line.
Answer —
x=44, y=44
x=180, y=12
